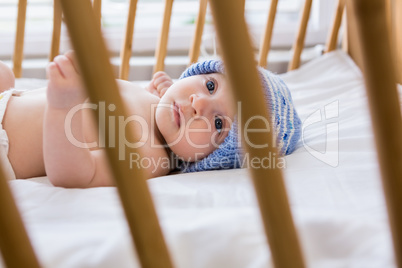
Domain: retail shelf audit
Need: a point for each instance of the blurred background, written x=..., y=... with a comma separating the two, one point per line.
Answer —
x=147, y=26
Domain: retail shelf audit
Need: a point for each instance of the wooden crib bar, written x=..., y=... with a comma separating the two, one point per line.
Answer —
x=19, y=38
x=15, y=247
x=379, y=73
x=397, y=33
x=372, y=53
x=161, y=49
x=301, y=35
x=57, y=20
x=97, y=7
x=269, y=186
x=101, y=86
x=127, y=45
x=56, y=32
x=194, y=52
x=336, y=25
x=266, y=38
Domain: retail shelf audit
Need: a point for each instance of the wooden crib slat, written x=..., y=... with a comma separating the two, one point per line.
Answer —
x=194, y=53
x=97, y=6
x=19, y=38
x=379, y=74
x=57, y=19
x=15, y=246
x=99, y=81
x=161, y=49
x=336, y=24
x=127, y=45
x=301, y=35
x=351, y=43
x=397, y=31
x=266, y=38
x=345, y=40
x=268, y=182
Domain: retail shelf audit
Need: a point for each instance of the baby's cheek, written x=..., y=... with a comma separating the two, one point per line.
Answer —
x=200, y=142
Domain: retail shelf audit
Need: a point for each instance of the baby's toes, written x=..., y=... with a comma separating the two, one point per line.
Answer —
x=53, y=73
x=66, y=66
x=71, y=56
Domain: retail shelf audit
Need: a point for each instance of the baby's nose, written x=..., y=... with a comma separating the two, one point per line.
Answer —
x=200, y=104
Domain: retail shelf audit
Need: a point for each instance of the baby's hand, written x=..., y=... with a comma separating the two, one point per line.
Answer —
x=65, y=87
x=159, y=84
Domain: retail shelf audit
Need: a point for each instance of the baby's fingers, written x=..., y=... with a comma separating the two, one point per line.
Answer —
x=163, y=87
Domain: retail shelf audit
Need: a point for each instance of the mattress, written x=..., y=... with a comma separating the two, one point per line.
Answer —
x=211, y=219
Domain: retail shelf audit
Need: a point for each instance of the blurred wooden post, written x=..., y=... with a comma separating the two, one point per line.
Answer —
x=301, y=35
x=379, y=74
x=352, y=42
x=15, y=247
x=19, y=38
x=161, y=49
x=397, y=33
x=127, y=45
x=194, y=53
x=345, y=31
x=266, y=38
x=97, y=6
x=241, y=70
x=99, y=81
x=336, y=24
x=57, y=19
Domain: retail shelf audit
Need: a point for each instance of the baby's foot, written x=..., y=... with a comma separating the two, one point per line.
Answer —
x=64, y=88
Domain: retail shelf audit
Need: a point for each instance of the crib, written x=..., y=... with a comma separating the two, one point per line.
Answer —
x=373, y=41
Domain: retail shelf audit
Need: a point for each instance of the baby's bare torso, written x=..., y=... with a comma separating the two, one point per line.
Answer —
x=23, y=122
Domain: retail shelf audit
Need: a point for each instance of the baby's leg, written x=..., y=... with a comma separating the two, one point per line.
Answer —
x=68, y=160
x=7, y=79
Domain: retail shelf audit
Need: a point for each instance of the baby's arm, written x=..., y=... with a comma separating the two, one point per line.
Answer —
x=68, y=161
x=159, y=84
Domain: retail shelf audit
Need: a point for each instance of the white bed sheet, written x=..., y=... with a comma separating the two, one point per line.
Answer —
x=210, y=219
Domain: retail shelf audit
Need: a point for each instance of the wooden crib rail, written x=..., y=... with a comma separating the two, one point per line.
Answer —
x=101, y=86
x=301, y=36
x=194, y=52
x=15, y=247
x=269, y=186
x=97, y=6
x=57, y=20
x=161, y=49
x=19, y=38
x=127, y=45
x=56, y=32
x=336, y=25
x=265, y=45
x=379, y=73
x=397, y=31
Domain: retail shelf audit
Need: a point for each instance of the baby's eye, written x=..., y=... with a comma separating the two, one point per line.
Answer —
x=218, y=124
x=211, y=86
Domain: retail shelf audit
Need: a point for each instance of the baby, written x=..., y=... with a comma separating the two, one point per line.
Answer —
x=52, y=131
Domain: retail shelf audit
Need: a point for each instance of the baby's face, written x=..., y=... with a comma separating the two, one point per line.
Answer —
x=195, y=115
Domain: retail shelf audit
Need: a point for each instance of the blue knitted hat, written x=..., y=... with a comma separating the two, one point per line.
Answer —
x=287, y=123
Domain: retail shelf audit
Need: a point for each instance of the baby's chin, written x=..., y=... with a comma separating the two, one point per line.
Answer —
x=188, y=156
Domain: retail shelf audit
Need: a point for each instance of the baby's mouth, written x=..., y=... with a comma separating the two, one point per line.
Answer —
x=176, y=113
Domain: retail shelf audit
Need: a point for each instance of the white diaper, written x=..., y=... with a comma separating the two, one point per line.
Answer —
x=5, y=162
